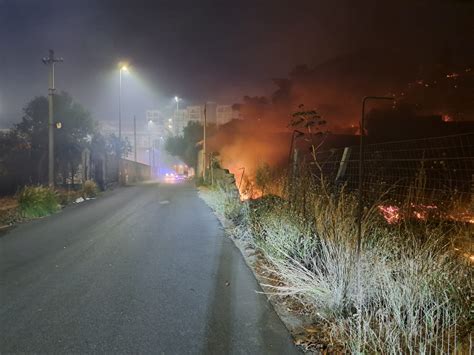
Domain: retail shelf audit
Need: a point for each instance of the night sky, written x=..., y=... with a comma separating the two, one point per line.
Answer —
x=202, y=50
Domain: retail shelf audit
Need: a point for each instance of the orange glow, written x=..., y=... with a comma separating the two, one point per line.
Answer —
x=393, y=214
x=244, y=196
x=447, y=118
x=390, y=213
x=452, y=75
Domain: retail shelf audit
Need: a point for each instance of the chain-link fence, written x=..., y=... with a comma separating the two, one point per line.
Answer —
x=434, y=173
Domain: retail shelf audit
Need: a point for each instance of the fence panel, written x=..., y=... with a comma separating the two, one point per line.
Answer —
x=436, y=172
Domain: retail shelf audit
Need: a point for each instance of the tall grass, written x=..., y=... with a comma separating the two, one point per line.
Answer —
x=407, y=291
x=37, y=201
x=89, y=189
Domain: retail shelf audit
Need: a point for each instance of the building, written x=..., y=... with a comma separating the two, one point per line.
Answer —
x=159, y=123
x=224, y=114
x=216, y=114
x=196, y=113
x=181, y=120
x=153, y=115
x=211, y=113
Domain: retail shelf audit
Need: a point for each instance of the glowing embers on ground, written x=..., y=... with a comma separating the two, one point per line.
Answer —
x=246, y=195
x=390, y=213
x=394, y=214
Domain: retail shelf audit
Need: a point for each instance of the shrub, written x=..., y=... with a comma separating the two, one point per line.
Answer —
x=89, y=189
x=37, y=201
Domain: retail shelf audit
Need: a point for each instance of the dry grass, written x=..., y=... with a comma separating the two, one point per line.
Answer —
x=409, y=292
x=37, y=201
x=89, y=189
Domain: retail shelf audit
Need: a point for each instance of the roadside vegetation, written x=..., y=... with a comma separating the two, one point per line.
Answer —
x=409, y=290
x=37, y=201
x=89, y=189
x=24, y=148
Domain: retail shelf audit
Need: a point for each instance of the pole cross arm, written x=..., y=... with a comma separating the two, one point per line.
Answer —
x=51, y=59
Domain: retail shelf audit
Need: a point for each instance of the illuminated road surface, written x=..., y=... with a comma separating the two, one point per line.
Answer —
x=143, y=269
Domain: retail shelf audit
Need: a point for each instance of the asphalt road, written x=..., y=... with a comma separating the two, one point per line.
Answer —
x=143, y=269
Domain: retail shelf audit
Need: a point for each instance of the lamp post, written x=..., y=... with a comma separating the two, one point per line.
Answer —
x=177, y=124
x=125, y=69
x=51, y=60
x=294, y=135
x=360, y=207
x=292, y=161
x=176, y=98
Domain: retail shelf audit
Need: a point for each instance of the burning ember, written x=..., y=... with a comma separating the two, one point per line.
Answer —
x=390, y=213
x=447, y=118
x=394, y=214
x=452, y=75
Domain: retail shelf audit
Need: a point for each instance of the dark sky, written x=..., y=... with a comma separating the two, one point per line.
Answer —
x=201, y=49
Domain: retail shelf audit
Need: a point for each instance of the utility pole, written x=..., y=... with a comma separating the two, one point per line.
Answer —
x=51, y=60
x=153, y=157
x=135, y=138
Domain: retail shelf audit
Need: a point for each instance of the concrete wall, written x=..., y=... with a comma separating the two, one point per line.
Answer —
x=133, y=171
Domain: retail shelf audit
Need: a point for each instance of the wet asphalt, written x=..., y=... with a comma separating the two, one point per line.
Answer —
x=142, y=269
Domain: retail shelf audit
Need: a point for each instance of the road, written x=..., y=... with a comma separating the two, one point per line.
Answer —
x=142, y=269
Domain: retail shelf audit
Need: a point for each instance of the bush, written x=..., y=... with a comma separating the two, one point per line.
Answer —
x=89, y=189
x=37, y=201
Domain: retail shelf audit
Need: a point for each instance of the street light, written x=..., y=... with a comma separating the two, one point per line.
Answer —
x=361, y=167
x=296, y=134
x=177, y=99
x=125, y=69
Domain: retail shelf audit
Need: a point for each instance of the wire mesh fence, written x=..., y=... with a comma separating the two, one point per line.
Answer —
x=435, y=174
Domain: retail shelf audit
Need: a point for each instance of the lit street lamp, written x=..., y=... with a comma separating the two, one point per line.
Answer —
x=177, y=99
x=125, y=69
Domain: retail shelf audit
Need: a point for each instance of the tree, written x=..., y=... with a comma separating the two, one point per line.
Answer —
x=14, y=153
x=185, y=146
x=77, y=129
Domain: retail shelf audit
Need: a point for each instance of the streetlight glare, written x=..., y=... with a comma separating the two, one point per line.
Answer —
x=176, y=98
x=124, y=68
